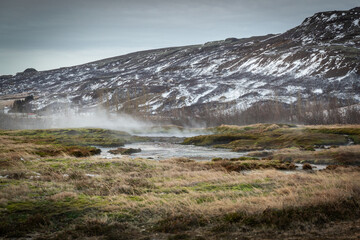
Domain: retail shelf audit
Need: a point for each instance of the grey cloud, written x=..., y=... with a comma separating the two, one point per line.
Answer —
x=72, y=26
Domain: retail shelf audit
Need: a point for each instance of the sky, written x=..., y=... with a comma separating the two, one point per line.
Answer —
x=48, y=34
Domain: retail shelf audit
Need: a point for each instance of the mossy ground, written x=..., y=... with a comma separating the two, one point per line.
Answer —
x=74, y=136
x=267, y=136
x=56, y=142
x=297, y=143
x=64, y=197
x=342, y=155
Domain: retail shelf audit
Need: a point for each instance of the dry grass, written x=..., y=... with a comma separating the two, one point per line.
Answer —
x=62, y=196
x=14, y=193
x=345, y=155
x=333, y=126
x=145, y=197
x=16, y=148
x=65, y=197
x=259, y=127
x=271, y=136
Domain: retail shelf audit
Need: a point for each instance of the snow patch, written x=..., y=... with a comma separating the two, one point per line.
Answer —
x=294, y=89
x=356, y=22
x=95, y=86
x=332, y=17
x=318, y=91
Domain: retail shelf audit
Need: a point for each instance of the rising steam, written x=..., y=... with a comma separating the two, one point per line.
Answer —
x=98, y=118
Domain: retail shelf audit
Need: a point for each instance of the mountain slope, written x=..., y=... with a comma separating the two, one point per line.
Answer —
x=320, y=57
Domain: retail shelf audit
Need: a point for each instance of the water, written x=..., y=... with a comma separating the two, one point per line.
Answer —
x=165, y=150
x=169, y=147
x=316, y=167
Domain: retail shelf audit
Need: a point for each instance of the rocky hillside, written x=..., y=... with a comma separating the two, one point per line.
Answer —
x=320, y=57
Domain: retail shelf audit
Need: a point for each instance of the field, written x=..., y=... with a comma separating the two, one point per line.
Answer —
x=54, y=186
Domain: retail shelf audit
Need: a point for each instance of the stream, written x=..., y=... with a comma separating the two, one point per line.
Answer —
x=162, y=149
x=165, y=150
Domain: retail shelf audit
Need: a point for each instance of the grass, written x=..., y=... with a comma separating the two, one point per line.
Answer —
x=78, y=136
x=343, y=155
x=273, y=136
x=69, y=197
x=352, y=131
x=91, y=197
x=242, y=165
x=26, y=144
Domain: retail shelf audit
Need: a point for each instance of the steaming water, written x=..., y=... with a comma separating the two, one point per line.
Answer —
x=165, y=150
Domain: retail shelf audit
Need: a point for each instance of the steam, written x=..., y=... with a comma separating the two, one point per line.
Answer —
x=121, y=122
x=98, y=118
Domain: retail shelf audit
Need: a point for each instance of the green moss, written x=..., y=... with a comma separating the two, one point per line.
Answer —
x=26, y=216
x=135, y=198
x=208, y=187
x=55, y=207
x=171, y=191
x=121, y=216
x=20, y=206
x=204, y=199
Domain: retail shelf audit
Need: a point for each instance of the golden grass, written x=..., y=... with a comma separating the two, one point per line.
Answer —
x=333, y=126
x=271, y=136
x=257, y=126
x=65, y=197
x=348, y=155
x=159, y=195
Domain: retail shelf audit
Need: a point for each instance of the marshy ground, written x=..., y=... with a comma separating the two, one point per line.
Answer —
x=53, y=185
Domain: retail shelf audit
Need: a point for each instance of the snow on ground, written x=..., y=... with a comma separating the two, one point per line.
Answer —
x=318, y=91
x=332, y=17
x=294, y=89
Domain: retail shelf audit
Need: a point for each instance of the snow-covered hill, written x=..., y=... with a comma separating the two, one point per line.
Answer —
x=320, y=57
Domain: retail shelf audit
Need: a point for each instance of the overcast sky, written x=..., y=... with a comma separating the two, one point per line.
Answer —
x=47, y=34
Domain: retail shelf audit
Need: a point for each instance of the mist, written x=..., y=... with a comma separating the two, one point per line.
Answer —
x=99, y=118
